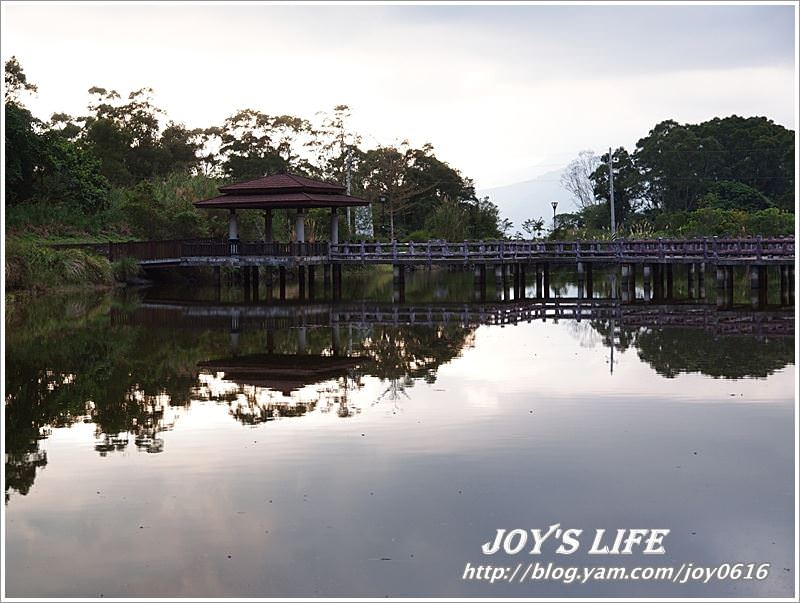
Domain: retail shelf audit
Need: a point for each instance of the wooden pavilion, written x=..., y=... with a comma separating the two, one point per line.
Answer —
x=282, y=191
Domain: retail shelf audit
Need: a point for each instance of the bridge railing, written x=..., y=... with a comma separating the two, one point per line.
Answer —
x=706, y=249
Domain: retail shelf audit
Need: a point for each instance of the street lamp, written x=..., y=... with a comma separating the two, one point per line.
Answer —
x=554, y=204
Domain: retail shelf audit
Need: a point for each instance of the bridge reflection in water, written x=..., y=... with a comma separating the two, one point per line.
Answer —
x=294, y=358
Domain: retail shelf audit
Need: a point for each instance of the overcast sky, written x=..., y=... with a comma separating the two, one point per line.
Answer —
x=498, y=90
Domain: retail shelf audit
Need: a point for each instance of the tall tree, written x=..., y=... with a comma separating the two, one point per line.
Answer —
x=577, y=179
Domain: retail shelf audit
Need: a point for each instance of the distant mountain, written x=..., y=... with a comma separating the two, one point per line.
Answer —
x=530, y=199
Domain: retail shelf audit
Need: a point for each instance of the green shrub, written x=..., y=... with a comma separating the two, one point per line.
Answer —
x=126, y=269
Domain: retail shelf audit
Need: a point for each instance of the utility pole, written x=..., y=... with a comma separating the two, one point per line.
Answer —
x=611, y=188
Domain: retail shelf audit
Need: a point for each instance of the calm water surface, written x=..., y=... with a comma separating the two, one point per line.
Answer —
x=184, y=442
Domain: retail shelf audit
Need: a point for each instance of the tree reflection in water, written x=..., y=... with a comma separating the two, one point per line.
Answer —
x=69, y=361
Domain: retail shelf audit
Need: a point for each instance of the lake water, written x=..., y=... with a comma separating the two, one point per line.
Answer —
x=185, y=442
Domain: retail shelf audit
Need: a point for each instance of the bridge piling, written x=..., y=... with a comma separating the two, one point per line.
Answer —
x=398, y=283
x=245, y=271
x=301, y=281
x=479, y=282
x=647, y=281
x=669, y=270
x=255, y=283
x=499, y=284
x=690, y=279
x=337, y=281
x=784, y=284
x=311, y=281
x=546, y=280
x=282, y=282
x=589, y=281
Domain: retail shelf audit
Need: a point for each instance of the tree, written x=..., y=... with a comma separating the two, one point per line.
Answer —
x=577, y=178
x=254, y=144
x=627, y=184
x=533, y=226
x=16, y=81
x=71, y=175
x=22, y=145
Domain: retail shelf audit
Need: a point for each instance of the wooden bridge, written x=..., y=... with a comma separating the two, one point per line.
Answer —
x=510, y=260
x=210, y=252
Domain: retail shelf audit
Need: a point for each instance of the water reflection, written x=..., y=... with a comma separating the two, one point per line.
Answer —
x=129, y=364
x=132, y=366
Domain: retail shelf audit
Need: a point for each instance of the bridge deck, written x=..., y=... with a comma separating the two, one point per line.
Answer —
x=208, y=252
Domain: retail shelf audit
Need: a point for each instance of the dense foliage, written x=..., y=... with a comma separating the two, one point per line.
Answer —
x=124, y=170
x=731, y=176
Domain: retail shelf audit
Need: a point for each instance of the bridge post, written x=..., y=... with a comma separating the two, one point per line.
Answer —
x=499, y=285
x=398, y=283
x=546, y=280
x=336, y=338
x=658, y=282
x=758, y=285
x=668, y=268
x=581, y=280
x=724, y=286
x=537, y=268
x=721, y=278
x=282, y=282
x=302, y=345
x=245, y=270
x=647, y=281
x=691, y=269
x=784, y=279
x=311, y=273
x=522, y=279
x=625, y=274
x=218, y=278
x=701, y=280
x=479, y=282
x=301, y=281
x=589, y=281
x=268, y=281
x=326, y=276
x=255, y=283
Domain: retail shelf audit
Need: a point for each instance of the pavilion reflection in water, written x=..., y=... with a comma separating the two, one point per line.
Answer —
x=265, y=387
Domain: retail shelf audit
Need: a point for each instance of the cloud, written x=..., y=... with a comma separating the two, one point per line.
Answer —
x=490, y=87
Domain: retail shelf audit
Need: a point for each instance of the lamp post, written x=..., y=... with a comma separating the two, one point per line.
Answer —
x=554, y=204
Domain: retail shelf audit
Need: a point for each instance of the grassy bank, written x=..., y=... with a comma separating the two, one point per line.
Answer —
x=33, y=265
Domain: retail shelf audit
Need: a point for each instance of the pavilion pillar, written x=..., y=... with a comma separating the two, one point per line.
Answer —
x=300, y=226
x=268, y=226
x=334, y=238
x=233, y=232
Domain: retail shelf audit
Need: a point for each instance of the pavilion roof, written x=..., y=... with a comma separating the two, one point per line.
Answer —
x=280, y=191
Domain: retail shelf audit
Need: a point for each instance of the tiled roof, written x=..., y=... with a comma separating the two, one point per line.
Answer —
x=282, y=182
x=279, y=201
x=280, y=191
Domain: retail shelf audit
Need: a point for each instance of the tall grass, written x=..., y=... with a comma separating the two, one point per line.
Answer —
x=34, y=265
